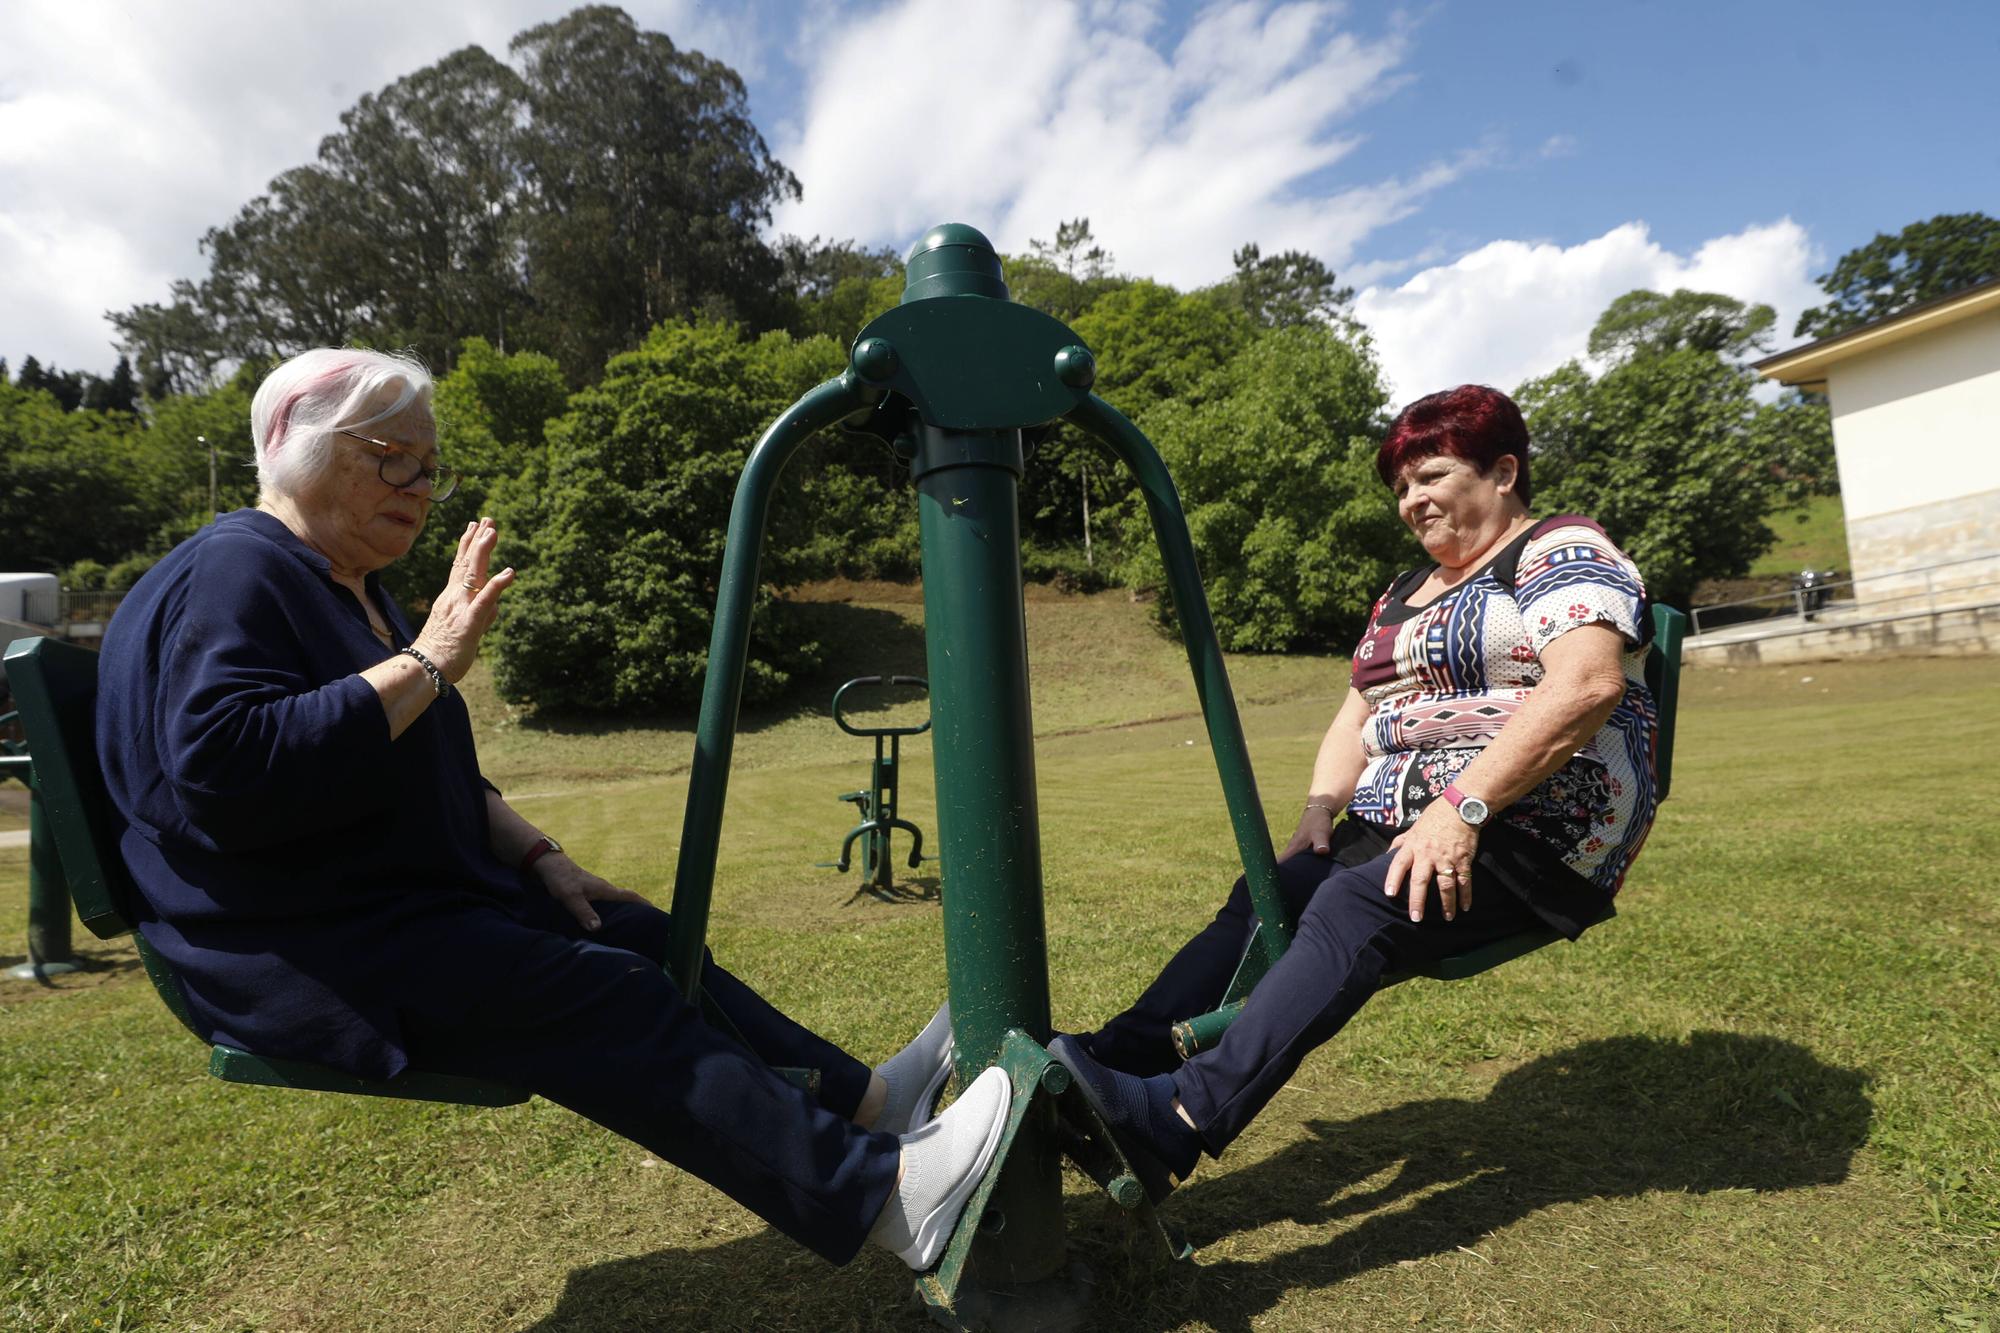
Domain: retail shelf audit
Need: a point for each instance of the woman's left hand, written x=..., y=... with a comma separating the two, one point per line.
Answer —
x=1439, y=849
x=576, y=888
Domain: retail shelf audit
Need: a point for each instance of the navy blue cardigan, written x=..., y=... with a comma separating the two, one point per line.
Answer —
x=276, y=833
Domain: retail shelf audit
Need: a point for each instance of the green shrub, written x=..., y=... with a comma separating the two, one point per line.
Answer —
x=619, y=528
x=1294, y=534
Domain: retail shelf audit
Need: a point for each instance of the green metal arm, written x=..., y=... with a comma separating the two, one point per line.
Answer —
x=844, y=725
x=1211, y=680
x=728, y=654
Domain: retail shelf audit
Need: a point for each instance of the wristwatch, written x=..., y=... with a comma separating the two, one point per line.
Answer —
x=1470, y=808
x=543, y=846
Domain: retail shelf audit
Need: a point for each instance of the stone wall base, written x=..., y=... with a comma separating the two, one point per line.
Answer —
x=1955, y=631
x=1882, y=547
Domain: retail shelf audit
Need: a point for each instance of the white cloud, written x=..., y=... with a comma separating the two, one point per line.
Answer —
x=1055, y=109
x=1512, y=309
x=126, y=131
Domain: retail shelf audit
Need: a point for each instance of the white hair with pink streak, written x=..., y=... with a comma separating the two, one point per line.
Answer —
x=302, y=404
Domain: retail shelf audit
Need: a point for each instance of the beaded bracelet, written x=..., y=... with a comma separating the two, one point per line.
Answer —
x=1321, y=805
x=438, y=682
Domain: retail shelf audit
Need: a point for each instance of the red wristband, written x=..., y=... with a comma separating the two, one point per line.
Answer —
x=543, y=846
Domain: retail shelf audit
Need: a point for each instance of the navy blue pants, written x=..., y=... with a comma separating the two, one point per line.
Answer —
x=591, y=1022
x=1350, y=934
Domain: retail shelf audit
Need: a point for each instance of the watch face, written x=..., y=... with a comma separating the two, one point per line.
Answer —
x=1472, y=810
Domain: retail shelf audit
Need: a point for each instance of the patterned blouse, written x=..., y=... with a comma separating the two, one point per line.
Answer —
x=1442, y=679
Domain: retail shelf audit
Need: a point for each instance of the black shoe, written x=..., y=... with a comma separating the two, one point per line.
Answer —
x=1120, y=1100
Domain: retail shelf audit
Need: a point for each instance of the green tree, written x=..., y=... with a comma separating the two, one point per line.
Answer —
x=1275, y=464
x=182, y=431
x=838, y=286
x=1922, y=262
x=398, y=235
x=620, y=549
x=491, y=412
x=1795, y=435
x=1152, y=344
x=119, y=393
x=1664, y=450
x=1285, y=289
x=605, y=182
x=1646, y=323
x=649, y=187
x=1065, y=276
x=71, y=486
x=176, y=347
x=66, y=387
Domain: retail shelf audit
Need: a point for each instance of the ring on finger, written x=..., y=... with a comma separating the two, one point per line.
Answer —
x=470, y=586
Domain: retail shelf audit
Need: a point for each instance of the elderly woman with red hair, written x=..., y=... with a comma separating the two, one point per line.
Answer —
x=1494, y=751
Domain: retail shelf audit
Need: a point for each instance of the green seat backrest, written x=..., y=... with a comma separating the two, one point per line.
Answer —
x=1663, y=678
x=55, y=684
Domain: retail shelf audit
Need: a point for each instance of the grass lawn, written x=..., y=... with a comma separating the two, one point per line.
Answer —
x=1766, y=1096
x=1811, y=536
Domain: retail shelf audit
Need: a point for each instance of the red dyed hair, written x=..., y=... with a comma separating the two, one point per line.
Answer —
x=1472, y=422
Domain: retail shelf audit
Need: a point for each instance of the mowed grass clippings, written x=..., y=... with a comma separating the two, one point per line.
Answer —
x=1763, y=1097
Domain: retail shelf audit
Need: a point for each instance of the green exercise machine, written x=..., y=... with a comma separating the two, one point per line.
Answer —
x=953, y=381
x=877, y=805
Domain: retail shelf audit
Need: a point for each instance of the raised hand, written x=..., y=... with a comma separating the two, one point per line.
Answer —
x=465, y=610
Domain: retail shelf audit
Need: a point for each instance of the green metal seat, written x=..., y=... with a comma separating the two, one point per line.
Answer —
x=55, y=684
x=1663, y=679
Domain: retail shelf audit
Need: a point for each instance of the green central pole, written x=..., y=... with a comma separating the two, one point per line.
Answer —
x=996, y=955
x=983, y=738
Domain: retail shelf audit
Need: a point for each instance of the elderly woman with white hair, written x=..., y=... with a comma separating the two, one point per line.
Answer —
x=334, y=881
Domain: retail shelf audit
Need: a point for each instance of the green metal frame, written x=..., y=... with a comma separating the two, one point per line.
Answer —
x=878, y=804
x=51, y=951
x=55, y=684
x=950, y=380
x=1663, y=681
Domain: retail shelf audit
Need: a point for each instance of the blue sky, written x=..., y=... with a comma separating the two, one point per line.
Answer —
x=1491, y=174
x=1698, y=117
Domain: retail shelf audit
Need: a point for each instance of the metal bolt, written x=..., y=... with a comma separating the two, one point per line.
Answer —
x=1076, y=367
x=875, y=360
x=1055, y=1079
x=1126, y=1191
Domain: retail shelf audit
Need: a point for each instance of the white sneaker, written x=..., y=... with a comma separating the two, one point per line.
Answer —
x=942, y=1164
x=915, y=1076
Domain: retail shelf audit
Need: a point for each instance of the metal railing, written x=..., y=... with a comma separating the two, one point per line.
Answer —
x=1969, y=579
x=84, y=607
x=60, y=608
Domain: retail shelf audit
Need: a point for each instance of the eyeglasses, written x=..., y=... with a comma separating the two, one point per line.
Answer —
x=400, y=468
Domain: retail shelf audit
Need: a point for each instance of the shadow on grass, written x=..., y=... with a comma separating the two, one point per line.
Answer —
x=92, y=969
x=854, y=641
x=919, y=890
x=1617, y=1118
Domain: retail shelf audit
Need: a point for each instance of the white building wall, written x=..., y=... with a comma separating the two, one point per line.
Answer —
x=16, y=591
x=1916, y=426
